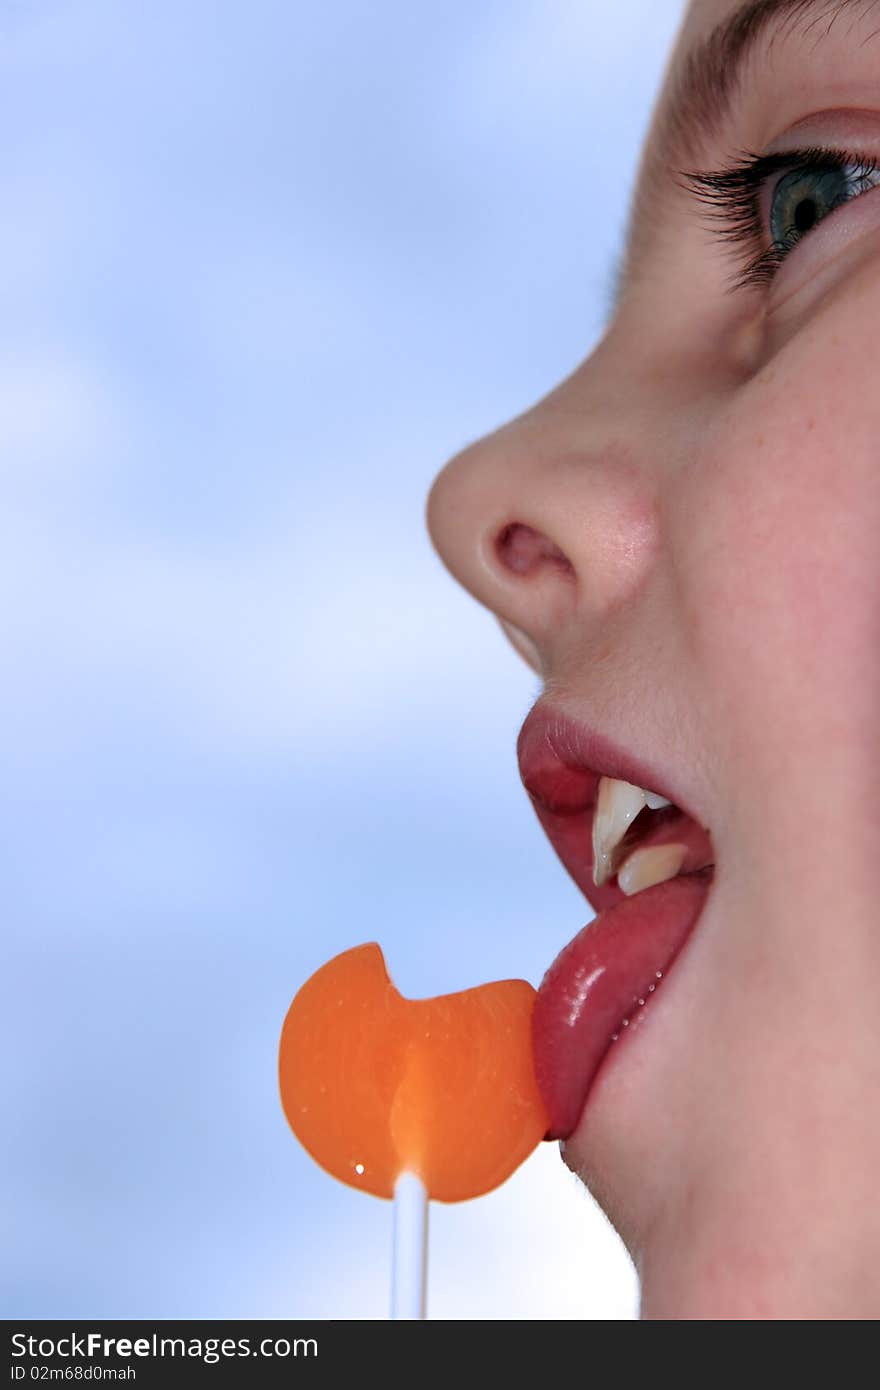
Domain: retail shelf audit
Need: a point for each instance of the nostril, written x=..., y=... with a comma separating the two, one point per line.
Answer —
x=522, y=549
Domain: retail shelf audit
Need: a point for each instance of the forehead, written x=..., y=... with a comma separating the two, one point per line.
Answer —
x=701, y=15
x=716, y=39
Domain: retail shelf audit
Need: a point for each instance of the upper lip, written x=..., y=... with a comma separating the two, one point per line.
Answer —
x=551, y=742
x=561, y=762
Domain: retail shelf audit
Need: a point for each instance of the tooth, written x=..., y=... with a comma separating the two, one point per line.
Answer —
x=617, y=805
x=645, y=867
x=655, y=801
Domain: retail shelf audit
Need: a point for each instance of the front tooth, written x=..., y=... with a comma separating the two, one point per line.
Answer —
x=617, y=805
x=645, y=867
x=655, y=801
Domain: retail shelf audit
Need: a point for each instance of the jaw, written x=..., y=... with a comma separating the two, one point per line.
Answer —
x=737, y=1151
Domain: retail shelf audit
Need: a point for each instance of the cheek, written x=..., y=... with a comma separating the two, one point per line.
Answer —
x=778, y=524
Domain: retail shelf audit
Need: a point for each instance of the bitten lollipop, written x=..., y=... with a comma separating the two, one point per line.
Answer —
x=410, y=1098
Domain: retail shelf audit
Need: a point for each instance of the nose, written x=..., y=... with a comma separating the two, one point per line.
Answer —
x=550, y=522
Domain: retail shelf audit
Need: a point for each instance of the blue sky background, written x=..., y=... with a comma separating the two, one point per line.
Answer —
x=264, y=268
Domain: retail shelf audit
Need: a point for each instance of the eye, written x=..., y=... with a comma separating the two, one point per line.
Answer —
x=802, y=198
x=812, y=183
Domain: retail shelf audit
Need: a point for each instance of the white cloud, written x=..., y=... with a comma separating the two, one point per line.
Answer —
x=542, y=61
x=259, y=646
x=61, y=424
x=550, y=1249
x=536, y=1248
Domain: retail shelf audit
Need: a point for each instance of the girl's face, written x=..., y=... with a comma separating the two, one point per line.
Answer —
x=683, y=538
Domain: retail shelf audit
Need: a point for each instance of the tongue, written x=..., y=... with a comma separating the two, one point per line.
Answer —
x=597, y=981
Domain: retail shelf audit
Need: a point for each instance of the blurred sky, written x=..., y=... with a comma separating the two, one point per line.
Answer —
x=264, y=268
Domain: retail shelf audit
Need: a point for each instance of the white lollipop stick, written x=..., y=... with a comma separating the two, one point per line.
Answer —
x=409, y=1260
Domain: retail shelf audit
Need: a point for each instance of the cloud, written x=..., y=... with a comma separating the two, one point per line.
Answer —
x=538, y=1248
x=536, y=64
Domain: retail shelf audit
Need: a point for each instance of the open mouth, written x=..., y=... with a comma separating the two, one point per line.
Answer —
x=642, y=861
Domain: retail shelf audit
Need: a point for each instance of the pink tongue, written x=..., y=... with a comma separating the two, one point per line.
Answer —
x=596, y=982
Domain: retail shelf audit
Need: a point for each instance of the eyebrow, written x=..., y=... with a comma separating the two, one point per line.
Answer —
x=701, y=96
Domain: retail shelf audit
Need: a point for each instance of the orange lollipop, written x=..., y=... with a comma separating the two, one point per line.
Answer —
x=375, y=1085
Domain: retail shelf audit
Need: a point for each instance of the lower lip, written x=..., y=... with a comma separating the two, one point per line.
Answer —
x=599, y=985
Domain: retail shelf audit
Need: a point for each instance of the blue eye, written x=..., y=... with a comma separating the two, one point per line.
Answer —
x=813, y=183
x=802, y=198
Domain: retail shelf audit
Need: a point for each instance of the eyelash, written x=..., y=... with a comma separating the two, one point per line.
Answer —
x=733, y=195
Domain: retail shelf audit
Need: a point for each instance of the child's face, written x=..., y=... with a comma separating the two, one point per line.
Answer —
x=685, y=536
